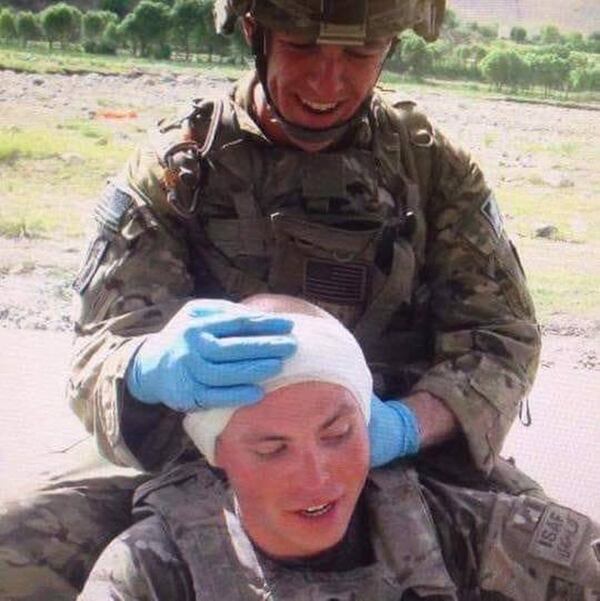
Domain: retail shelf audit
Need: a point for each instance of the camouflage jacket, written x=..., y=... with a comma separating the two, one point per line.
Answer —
x=417, y=539
x=395, y=232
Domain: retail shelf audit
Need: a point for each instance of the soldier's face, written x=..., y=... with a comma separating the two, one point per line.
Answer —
x=297, y=462
x=320, y=86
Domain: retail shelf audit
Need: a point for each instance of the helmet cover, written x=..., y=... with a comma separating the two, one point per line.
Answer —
x=337, y=21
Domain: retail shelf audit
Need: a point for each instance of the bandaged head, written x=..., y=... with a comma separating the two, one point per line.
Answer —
x=327, y=352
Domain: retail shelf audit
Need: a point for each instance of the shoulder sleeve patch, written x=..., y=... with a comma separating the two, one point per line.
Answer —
x=111, y=208
x=559, y=535
x=491, y=211
x=91, y=261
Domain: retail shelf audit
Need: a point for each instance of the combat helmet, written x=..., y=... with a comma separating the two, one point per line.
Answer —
x=337, y=21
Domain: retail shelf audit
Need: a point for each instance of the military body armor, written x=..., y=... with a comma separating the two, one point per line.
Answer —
x=200, y=518
x=344, y=230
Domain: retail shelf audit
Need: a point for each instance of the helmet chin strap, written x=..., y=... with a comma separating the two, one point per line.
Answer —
x=298, y=132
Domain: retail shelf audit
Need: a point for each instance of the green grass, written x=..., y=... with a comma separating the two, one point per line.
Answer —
x=559, y=291
x=38, y=59
x=576, y=216
x=49, y=175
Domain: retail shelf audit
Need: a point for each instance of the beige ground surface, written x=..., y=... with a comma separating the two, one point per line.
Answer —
x=561, y=448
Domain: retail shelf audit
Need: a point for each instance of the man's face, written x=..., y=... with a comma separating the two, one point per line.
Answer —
x=320, y=86
x=297, y=462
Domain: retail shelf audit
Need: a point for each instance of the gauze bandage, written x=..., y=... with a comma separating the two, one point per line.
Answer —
x=327, y=352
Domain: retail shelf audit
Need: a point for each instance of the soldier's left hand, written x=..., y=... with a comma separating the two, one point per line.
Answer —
x=393, y=431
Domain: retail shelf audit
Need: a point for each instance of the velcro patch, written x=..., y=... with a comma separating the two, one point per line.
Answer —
x=559, y=535
x=111, y=208
x=93, y=257
x=340, y=283
x=491, y=211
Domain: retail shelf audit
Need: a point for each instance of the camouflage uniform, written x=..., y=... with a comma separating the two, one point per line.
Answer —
x=428, y=539
x=395, y=231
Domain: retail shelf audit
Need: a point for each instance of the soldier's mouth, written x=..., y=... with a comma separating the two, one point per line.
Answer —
x=319, y=108
x=317, y=510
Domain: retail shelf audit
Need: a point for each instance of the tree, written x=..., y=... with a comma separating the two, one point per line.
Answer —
x=415, y=53
x=518, y=34
x=550, y=70
x=118, y=7
x=184, y=18
x=204, y=35
x=550, y=34
x=594, y=42
x=147, y=26
x=95, y=23
x=61, y=23
x=28, y=27
x=506, y=68
x=8, y=26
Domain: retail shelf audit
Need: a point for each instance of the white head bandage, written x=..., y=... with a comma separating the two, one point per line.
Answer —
x=327, y=352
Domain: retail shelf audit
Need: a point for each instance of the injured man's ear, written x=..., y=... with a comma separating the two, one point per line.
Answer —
x=297, y=461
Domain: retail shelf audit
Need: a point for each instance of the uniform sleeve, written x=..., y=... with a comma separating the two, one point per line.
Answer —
x=486, y=339
x=134, y=278
x=139, y=565
x=518, y=548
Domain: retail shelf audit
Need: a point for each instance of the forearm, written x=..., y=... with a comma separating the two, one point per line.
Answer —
x=437, y=423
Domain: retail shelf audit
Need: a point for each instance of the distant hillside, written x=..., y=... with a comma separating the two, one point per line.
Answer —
x=568, y=15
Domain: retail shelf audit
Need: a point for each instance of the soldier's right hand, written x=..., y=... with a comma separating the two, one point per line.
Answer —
x=212, y=353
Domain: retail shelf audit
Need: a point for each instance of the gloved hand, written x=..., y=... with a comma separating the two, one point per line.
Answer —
x=393, y=431
x=211, y=354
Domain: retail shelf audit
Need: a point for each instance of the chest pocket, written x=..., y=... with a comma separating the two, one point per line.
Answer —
x=316, y=226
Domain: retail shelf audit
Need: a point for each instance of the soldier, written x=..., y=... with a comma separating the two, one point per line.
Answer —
x=296, y=514
x=305, y=181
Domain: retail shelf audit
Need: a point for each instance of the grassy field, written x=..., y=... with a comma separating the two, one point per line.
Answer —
x=53, y=167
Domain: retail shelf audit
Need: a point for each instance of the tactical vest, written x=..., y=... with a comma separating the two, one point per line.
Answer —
x=345, y=230
x=197, y=512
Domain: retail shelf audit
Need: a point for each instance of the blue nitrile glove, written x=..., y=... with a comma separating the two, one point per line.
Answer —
x=393, y=431
x=211, y=354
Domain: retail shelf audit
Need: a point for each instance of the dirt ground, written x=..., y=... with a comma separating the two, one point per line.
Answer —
x=561, y=448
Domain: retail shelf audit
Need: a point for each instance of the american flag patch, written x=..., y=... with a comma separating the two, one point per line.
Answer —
x=340, y=283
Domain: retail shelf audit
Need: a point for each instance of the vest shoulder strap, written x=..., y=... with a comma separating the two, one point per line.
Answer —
x=403, y=125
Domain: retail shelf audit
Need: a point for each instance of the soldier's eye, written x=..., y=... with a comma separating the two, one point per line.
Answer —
x=269, y=449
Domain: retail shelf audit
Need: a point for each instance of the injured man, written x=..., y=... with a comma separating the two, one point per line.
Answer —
x=282, y=506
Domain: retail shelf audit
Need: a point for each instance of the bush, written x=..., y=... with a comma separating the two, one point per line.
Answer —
x=518, y=34
x=100, y=47
x=162, y=52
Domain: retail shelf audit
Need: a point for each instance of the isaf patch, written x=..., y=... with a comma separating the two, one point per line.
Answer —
x=558, y=535
x=491, y=211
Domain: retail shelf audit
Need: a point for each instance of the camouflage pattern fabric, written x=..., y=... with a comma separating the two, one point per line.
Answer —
x=52, y=533
x=429, y=539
